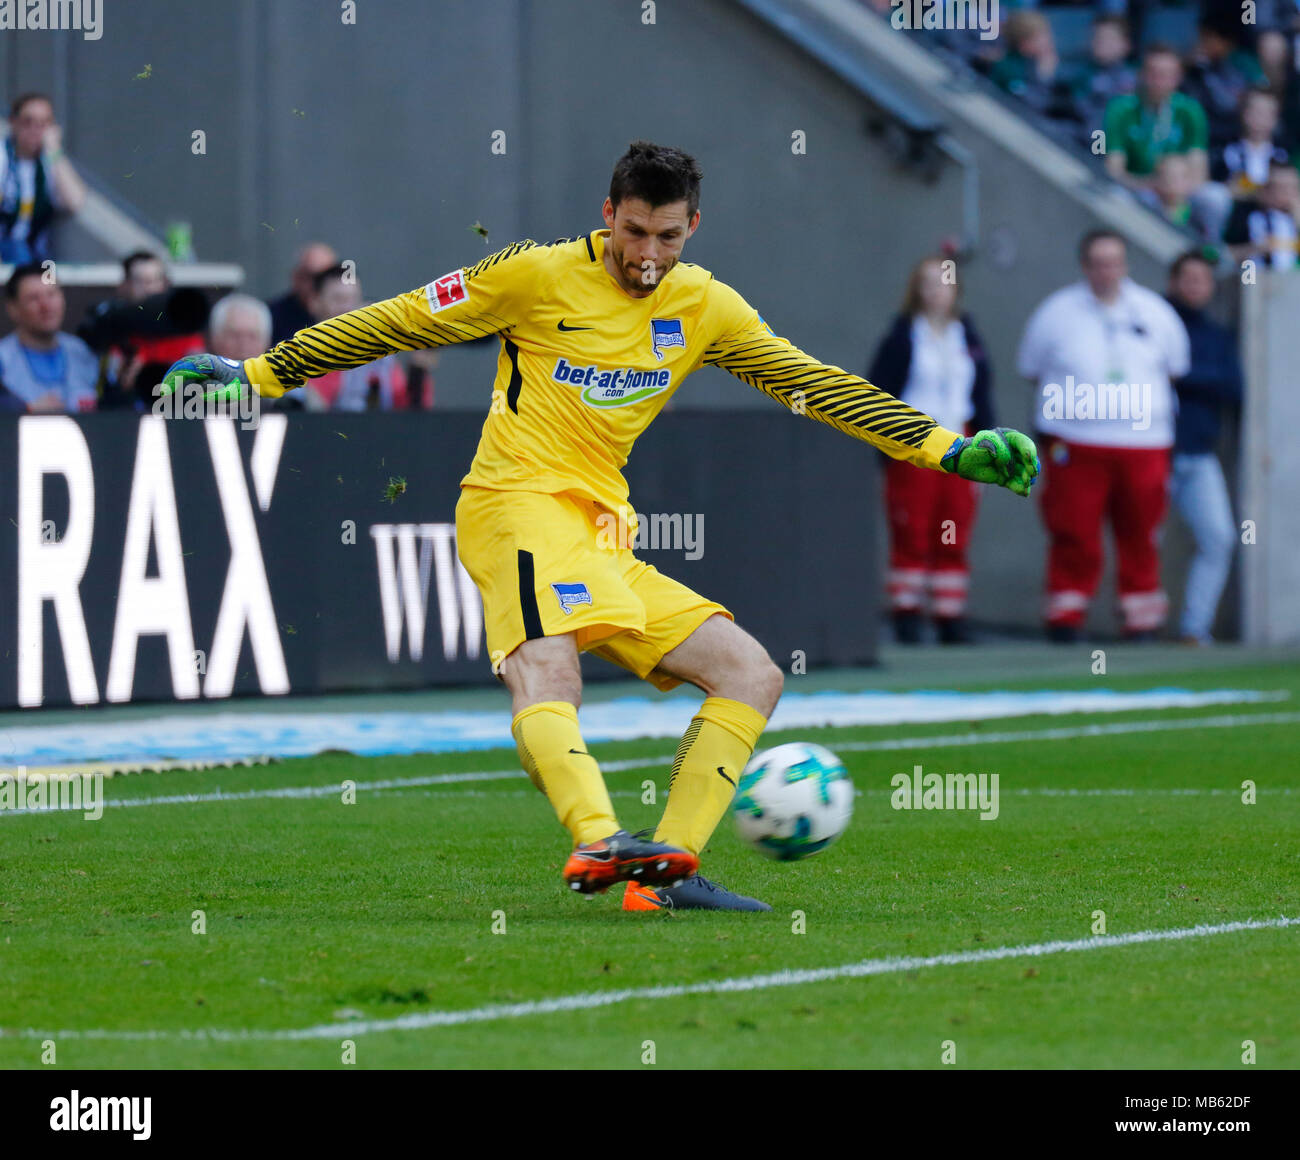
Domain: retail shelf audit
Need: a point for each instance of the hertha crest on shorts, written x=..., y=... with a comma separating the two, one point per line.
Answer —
x=569, y=594
x=665, y=332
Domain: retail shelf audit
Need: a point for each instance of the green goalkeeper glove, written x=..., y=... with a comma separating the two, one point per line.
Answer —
x=1002, y=456
x=224, y=377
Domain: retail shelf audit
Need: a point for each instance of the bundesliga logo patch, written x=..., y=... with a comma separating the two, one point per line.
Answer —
x=665, y=332
x=569, y=594
x=446, y=291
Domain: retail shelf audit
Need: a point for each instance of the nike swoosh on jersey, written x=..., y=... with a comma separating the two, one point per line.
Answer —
x=560, y=326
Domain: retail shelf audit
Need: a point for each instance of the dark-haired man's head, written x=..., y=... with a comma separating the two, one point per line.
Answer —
x=1216, y=37
x=652, y=208
x=36, y=305
x=30, y=118
x=144, y=274
x=1104, y=259
x=1282, y=189
x=334, y=291
x=1191, y=280
x=1162, y=73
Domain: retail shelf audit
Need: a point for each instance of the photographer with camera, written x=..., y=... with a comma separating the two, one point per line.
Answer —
x=141, y=331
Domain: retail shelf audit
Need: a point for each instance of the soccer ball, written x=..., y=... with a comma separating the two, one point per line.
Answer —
x=793, y=801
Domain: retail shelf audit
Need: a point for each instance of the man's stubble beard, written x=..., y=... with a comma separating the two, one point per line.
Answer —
x=636, y=282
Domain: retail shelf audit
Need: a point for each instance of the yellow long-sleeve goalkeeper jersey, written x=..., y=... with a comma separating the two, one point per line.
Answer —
x=584, y=367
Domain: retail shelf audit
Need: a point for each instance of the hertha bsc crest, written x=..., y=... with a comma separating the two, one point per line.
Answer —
x=569, y=594
x=665, y=332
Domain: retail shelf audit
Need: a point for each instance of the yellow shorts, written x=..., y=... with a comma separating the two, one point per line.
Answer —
x=544, y=566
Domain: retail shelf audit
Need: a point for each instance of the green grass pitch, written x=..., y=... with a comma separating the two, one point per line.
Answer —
x=447, y=898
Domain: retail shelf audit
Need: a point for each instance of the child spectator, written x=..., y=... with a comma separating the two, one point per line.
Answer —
x=1105, y=74
x=1264, y=230
x=1244, y=164
x=1029, y=70
x=1169, y=196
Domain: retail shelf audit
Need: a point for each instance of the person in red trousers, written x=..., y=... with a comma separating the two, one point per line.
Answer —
x=932, y=359
x=1102, y=353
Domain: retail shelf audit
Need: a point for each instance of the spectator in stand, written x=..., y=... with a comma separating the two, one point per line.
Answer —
x=239, y=327
x=1219, y=74
x=1244, y=164
x=1277, y=51
x=144, y=274
x=1169, y=196
x=1197, y=487
x=933, y=359
x=377, y=386
x=292, y=311
x=1030, y=71
x=137, y=346
x=49, y=370
x=1105, y=74
x=1102, y=353
x=1156, y=120
x=1272, y=50
x=1264, y=230
x=37, y=181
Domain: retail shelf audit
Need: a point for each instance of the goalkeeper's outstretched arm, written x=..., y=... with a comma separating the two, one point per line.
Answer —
x=469, y=303
x=354, y=339
x=830, y=395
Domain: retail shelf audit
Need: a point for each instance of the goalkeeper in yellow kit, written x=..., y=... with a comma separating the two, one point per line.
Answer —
x=597, y=333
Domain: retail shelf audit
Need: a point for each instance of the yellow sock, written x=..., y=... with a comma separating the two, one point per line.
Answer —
x=707, y=767
x=556, y=759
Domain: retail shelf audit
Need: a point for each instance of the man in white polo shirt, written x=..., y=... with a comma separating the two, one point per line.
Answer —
x=1102, y=353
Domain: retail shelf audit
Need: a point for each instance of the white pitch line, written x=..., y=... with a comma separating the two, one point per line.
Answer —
x=1072, y=732
x=1028, y=791
x=590, y=1000
x=887, y=745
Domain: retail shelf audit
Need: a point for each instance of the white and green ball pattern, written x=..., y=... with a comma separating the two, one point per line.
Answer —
x=793, y=801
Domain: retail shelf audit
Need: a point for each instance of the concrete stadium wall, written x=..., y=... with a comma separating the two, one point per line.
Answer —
x=1270, y=480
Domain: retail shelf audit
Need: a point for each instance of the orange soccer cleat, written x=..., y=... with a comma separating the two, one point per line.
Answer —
x=623, y=857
